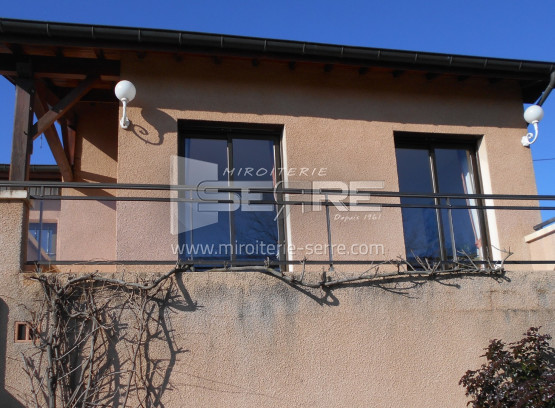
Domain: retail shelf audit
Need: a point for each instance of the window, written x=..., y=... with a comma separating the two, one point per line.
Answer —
x=229, y=155
x=434, y=166
x=42, y=241
x=23, y=332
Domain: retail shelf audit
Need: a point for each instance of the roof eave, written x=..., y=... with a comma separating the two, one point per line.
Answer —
x=142, y=39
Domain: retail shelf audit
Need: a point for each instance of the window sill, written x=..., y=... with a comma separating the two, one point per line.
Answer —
x=544, y=232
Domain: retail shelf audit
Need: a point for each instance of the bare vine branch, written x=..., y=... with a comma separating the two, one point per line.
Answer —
x=425, y=267
x=79, y=326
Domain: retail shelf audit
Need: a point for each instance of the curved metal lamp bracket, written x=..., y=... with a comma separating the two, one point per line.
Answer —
x=530, y=137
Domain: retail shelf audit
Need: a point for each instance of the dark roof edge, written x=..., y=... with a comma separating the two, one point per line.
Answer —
x=16, y=30
x=34, y=168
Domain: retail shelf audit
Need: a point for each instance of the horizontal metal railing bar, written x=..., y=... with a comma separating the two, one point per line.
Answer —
x=281, y=191
x=293, y=203
x=203, y=262
x=254, y=190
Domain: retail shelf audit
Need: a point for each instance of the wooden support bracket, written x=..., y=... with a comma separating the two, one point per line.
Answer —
x=51, y=115
x=41, y=109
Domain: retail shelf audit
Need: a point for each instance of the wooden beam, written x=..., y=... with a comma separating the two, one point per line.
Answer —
x=61, y=67
x=22, y=143
x=45, y=93
x=101, y=96
x=65, y=138
x=44, y=90
x=68, y=138
x=50, y=116
x=41, y=109
x=99, y=53
x=15, y=49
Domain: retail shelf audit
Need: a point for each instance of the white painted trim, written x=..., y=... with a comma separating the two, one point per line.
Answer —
x=544, y=232
x=14, y=194
x=491, y=219
x=289, y=239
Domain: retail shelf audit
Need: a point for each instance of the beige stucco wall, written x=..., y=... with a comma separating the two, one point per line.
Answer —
x=86, y=229
x=341, y=121
x=16, y=298
x=13, y=239
x=542, y=246
x=254, y=341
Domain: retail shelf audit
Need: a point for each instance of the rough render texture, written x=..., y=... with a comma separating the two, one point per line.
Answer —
x=95, y=161
x=15, y=295
x=542, y=246
x=251, y=340
x=12, y=241
x=340, y=121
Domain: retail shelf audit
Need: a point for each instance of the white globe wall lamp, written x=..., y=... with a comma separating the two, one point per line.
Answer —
x=533, y=114
x=125, y=92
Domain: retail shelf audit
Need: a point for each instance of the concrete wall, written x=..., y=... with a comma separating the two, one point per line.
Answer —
x=16, y=299
x=253, y=341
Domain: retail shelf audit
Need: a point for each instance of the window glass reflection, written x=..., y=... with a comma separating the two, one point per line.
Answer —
x=41, y=245
x=256, y=228
x=207, y=229
x=458, y=232
x=419, y=224
x=242, y=231
x=454, y=173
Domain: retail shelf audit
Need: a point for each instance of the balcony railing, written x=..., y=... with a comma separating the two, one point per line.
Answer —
x=136, y=224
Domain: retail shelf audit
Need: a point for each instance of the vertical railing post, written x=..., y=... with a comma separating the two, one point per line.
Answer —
x=39, y=237
x=330, y=248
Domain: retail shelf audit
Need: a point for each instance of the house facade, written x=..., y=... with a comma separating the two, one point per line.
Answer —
x=310, y=146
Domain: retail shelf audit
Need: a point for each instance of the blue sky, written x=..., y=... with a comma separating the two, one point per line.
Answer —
x=493, y=28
